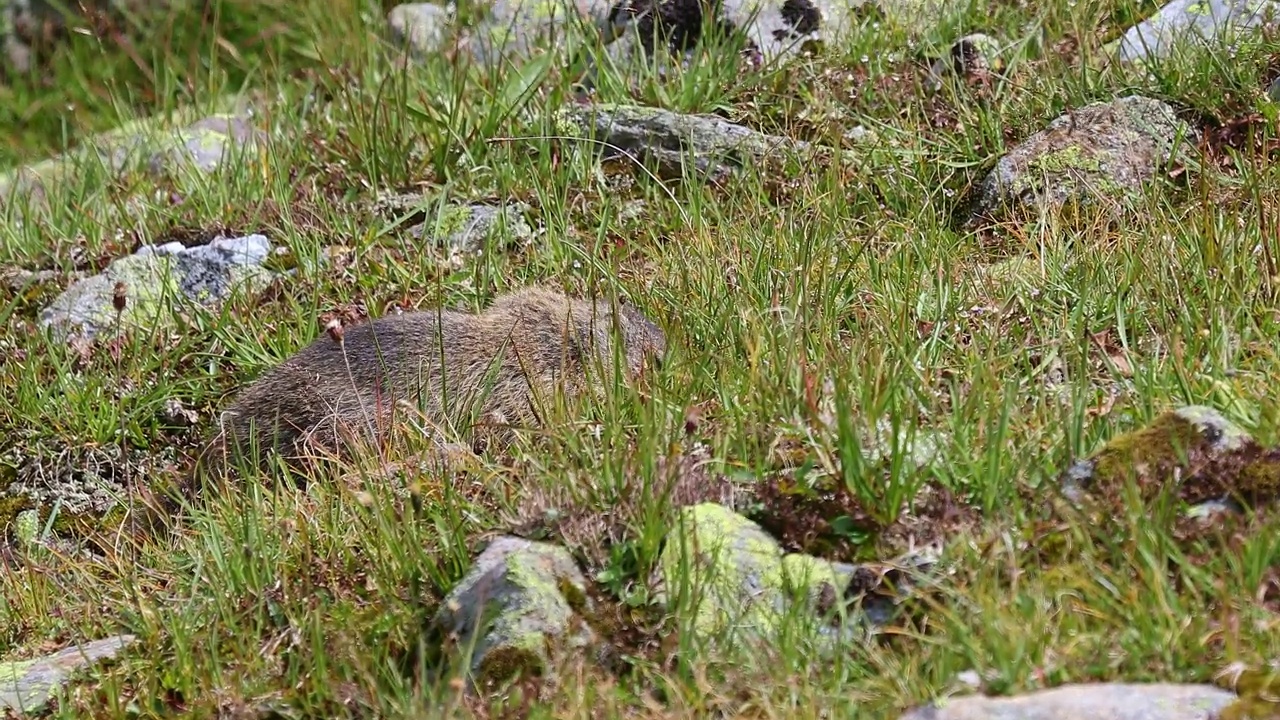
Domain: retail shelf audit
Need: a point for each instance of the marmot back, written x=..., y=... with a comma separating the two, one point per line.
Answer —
x=496, y=368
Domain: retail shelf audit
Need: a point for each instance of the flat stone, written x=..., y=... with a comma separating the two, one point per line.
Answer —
x=1101, y=701
x=155, y=278
x=27, y=685
x=143, y=145
x=475, y=228
x=1101, y=155
x=517, y=610
x=708, y=145
x=1188, y=23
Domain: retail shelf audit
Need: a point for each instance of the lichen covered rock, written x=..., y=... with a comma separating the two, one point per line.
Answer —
x=707, y=146
x=729, y=567
x=732, y=581
x=27, y=685
x=474, y=228
x=157, y=279
x=1099, y=701
x=1190, y=23
x=148, y=145
x=1193, y=452
x=519, y=609
x=1101, y=155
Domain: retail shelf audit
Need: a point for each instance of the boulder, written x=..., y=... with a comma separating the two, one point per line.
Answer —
x=156, y=279
x=1101, y=155
x=1190, y=23
x=27, y=685
x=709, y=146
x=517, y=612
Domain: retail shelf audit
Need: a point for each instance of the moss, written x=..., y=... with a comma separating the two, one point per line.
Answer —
x=1212, y=457
x=1259, y=693
x=1261, y=476
x=1148, y=455
x=11, y=507
x=512, y=661
x=11, y=672
x=807, y=578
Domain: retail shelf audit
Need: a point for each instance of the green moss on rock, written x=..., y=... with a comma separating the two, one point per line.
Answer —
x=1193, y=452
x=516, y=608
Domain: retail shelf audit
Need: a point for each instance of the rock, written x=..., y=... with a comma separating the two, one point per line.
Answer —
x=529, y=596
x=519, y=28
x=737, y=578
x=1273, y=90
x=732, y=566
x=145, y=145
x=27, y=685
x=1100, y=155
x=971, y=56
x=156, y=277
x=1100, y=701
x=772, y=28
x=206, y=143
x=419, y=27
x=1186, y=23
x=1210, y=461
x=708, y=145
x=475, y=228
x=922, y=446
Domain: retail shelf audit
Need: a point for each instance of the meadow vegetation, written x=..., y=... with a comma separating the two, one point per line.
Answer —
x=802, y=307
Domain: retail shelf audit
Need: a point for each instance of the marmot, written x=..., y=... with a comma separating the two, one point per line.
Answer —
x=448, y=368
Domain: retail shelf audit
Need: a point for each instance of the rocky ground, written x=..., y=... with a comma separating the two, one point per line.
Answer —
x=969, y=412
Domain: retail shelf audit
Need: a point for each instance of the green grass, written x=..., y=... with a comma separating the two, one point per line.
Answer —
x=799, y=311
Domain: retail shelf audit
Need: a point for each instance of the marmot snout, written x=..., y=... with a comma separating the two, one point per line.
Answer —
x=452, y=369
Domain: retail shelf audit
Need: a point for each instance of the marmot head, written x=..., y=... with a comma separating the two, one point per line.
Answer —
x=643, y=343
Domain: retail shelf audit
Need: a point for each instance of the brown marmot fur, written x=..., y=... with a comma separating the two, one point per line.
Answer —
x=488, y=372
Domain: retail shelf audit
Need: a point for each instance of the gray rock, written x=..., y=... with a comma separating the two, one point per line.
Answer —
x=1187, y=23
x=475, y=228
x=156, y=279
x=1101, y=701
x=420, y=27
x=207, y=143
x=515, y=30
x=708, y=145
x=1101, y=155
x=517, y=611
x=143, y=145
x=27, y=685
